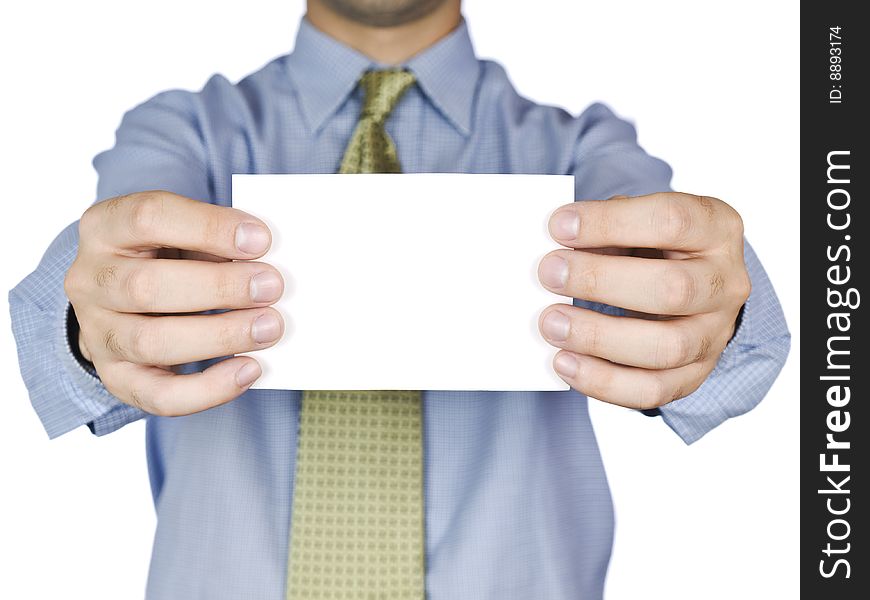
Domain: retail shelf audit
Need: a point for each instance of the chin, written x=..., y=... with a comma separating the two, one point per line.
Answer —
x=383, y=13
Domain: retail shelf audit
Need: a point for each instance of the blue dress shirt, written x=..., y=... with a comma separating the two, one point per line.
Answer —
x=517, y=504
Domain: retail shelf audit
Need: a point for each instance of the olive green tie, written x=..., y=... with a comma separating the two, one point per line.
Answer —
x=357, y=525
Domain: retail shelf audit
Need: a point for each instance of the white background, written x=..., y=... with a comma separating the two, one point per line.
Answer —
x=713, y=89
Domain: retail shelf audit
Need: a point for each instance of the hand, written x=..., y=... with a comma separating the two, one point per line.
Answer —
x=150, y=253
x=682, y=291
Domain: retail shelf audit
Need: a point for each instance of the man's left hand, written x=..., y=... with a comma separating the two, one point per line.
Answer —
x=674, y=262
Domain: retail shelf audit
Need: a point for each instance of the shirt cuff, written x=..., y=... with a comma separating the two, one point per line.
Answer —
x=105, y=413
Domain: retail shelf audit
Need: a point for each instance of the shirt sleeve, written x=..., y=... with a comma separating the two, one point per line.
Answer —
x=610, y=162
x=159, y=146
x=746, y=368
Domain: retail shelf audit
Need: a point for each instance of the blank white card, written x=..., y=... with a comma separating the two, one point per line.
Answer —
x=408, y=282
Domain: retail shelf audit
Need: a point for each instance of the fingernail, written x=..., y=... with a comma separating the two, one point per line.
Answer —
x=566, y=365
x=248, y=374
x=553, y=271
x=266, y=328
x=252, y=238
x=556, y=326
x=266, y=287
x=565, y=224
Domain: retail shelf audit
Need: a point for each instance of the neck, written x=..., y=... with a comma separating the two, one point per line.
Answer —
x=386, y=45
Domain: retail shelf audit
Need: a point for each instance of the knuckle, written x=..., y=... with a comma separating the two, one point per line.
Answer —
x=227, y=287
x=106, y=276
x=112, y=383
x=600, y=380
x=140, y=289
x=588, y=339
x=82, y=341
x=743, y=288
x=89, y=220
x=588, y=281
x=229, y=339
x=695, y=382
x=112, y=343
x=655, y=394
x=72, y=281
x=733, y=221
x=674, y=350
x=214, y=228
x=70, y=284
x=136, y=399
x=145, y=212
x=704, y=346
x=717, y=284
x=160, y=404
x=677, y=222
x=113, y=204
x=215, y=391
x=707, y=204
x=602, y=224
x=147, y=344
x=674, y=394
x=678, y=290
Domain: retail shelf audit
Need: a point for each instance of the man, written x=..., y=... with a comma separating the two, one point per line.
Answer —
x=503, y=495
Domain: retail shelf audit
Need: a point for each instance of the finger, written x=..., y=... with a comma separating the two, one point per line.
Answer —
x=167, y=286
x=670, y=220
x=631, y=387
x=174, y=340
x=658, y=286
x=164, y=393
x=157, y=219
x=628, y=341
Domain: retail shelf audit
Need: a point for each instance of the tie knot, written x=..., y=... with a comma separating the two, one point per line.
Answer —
x=382, y=91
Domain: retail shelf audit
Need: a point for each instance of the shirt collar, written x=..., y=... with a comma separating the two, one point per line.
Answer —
x=326, y=72
x=448, y=72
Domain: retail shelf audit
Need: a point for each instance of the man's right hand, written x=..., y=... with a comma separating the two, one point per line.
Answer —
x=147, y=259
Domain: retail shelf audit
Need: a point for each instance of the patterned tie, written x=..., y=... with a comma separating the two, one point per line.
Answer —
x=357, y=527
